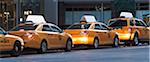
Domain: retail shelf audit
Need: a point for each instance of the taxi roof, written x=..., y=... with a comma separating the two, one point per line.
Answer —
x=88, y=18
x=126, y=14
x=36, y=19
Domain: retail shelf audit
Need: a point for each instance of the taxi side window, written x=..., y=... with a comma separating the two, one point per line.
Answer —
x=103, y=27
x=97, y=26
x=1, y=31
x=46, y=28
x=55, y=29
x=139, y=23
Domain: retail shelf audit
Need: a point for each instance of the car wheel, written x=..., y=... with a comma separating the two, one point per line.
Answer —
x=96, y=43
x=135, y=40
x=116, y=42
x=68, y=45
x=43, y=47
x=16, y=49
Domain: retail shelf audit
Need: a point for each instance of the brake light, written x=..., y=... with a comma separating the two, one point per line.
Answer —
x=129, y=30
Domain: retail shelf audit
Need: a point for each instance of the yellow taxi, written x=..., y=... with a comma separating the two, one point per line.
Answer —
x=130, y=30
x=92, y=34
x=10, y=43
x=43, y=36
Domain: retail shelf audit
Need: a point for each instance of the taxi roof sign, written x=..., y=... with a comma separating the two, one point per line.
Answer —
x=88, y=18
x=126, y=14
x=37, y=19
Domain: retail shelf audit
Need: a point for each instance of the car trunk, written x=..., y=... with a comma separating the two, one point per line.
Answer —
x=122, y=30
x=119, y=25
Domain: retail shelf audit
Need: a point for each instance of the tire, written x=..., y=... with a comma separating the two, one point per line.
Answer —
x=116, y=42
x=135, y=40
x=68, y=45
x=17, y=49
x=43, y=47
x=96, y=43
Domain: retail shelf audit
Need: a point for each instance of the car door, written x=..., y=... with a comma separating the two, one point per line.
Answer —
x=145, y=30
x=101, y=34
x=49, y=35
x=58, y=36
x=107, y=33
x=141, y=27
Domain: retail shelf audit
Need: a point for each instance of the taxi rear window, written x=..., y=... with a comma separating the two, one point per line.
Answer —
x=79, y=26
x=117, y=23
x=24, y=27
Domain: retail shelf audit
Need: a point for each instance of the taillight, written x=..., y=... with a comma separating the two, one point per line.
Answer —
x=84, y=32
x=129, y=30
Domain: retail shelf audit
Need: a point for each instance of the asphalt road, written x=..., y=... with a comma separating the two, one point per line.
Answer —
x=126, y=54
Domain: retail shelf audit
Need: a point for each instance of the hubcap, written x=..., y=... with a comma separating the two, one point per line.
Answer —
x=96, y=43
x=116, y=42
x=69, y=45
x=44, y=47
x=16, y=48
x=136, y=40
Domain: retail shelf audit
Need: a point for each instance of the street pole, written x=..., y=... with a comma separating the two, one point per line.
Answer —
x=57, y=12
x=100, y=9
x=102, y=12
x=18, y=8
x=7, y=19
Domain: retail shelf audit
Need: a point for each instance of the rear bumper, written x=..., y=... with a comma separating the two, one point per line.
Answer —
x=124, y=37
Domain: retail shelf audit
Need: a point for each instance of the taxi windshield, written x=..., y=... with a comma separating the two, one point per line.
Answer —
x=79, y=26
x=24, y=27
x=117, y=23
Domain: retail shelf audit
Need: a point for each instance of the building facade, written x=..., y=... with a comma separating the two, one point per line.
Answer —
x=62, y=12
x=70, y=11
